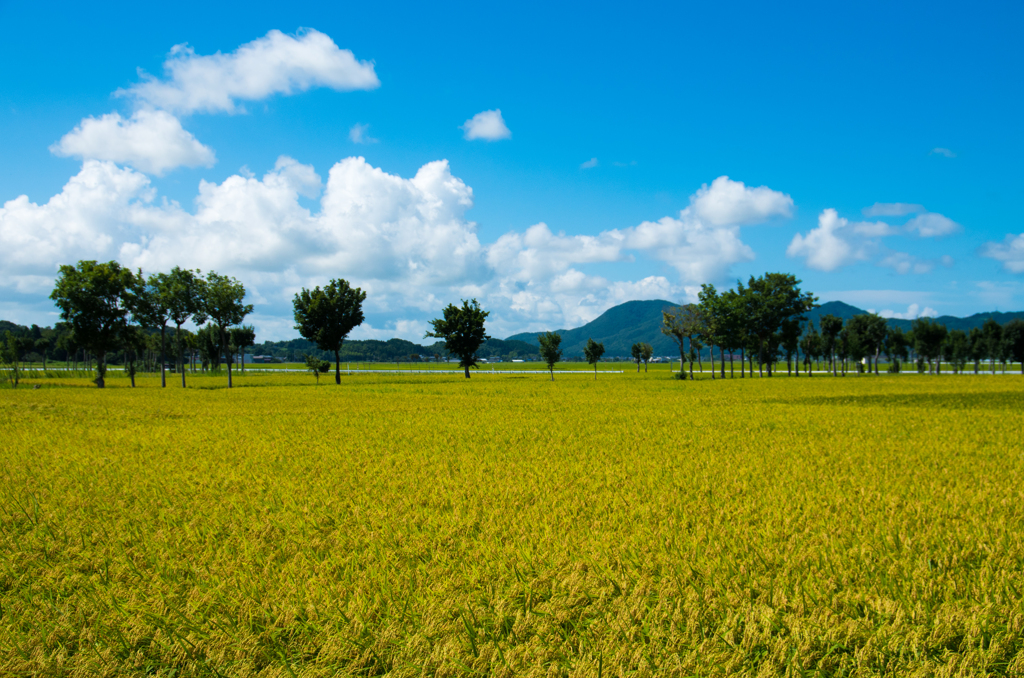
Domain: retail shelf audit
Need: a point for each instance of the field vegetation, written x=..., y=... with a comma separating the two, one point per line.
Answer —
x=412, y=525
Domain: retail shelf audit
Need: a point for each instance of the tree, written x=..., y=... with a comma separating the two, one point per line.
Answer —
x=873, y=336
x=326, y=317
x=790, y=337
x=713, y=315
x=317, y=366
x=182, y=292
x=1013, y=340
x=462, y=329
x=637, y=351
x=42, y=346
x=241, y=338
x=855, y=339
x=646, y=353
x=682, y=325
x=957, y=349
x=770, y=300
x=831, y=326
x=928, y=339
x=993, y=335
x=733, y=331
x=92, y=299
x=810, y=344
x=895, y=346
x=593, y=352
x=223, y=304
x=9, y=358
x=550, y=351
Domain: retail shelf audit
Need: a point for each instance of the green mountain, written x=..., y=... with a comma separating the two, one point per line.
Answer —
x=618, y=329
x=621, y=326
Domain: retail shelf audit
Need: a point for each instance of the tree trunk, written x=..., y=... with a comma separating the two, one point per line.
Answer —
x=467, y=371
x=552, y=370
x=101, y=369
x=721, y=360
x=732, y=369
x=743, y=363
x=691, y=367
x=337, y=366
x=181, y=353
x=595, y=371
x=227, y=358
x=711, y=350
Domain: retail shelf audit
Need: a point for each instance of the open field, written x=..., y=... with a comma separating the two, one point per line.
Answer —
x=412, y=525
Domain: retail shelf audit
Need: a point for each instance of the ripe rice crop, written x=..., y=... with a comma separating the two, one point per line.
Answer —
x=410, y=525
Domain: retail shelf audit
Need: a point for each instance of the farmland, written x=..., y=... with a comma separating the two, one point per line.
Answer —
x=412, y=525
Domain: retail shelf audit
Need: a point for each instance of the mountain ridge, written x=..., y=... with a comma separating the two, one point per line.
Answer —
x=621, y=326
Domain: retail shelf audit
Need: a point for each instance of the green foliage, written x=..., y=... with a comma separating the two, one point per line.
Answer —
x=326, y=316
x=593, y=352
x=10, y=358
x=462, y=329
x=223, y=296
x=929, y=337
x=316, y=366
x=550, y=351
x=683, y=325
x=95, y=299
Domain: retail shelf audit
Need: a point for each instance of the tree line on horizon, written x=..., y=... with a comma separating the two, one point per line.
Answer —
x=108, y=310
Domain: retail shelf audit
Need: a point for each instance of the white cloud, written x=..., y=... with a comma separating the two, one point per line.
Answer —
x=406, y=241
x=487, y=125
x=874, y=229
x=904, y=263
x=1010, y=252
x=151, y=141
x=945, y=152
x=590, y=164
x=932, y=224
x=892, y=209
x=913, y=312
x=274, y=64
x=824, y=247
x=730, y=203
x=358, y=134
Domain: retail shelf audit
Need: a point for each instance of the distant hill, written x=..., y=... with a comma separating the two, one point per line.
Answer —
x=621, y=326
x=618, y=329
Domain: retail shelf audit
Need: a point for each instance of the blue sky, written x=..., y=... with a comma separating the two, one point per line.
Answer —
x=874, y=151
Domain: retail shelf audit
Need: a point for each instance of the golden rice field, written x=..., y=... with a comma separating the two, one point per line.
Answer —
x=426, y=525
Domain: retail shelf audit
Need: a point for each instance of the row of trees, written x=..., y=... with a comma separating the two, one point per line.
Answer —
x=108, y=307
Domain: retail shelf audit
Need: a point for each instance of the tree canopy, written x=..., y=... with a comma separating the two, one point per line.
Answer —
x=462, y=329
x=326, y=316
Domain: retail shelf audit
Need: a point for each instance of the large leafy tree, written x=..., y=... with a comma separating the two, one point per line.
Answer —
x=462, y=329
x=770, y=300
x=593, y=352
x=93, y=299
x=326, y=316
x=550, y=350
x=223, y=305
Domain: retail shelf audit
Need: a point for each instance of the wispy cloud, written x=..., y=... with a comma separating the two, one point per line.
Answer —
x=590, y=164
x=358, y=134
x=944, y=152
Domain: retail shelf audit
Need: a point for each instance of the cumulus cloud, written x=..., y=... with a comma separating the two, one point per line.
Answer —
x=892, y=209
x=824, y=247
x=590, y=164
x=487, y=125
x=151, y=141
x=406, y=241
x=274, y=64
x=358, y=134
x=913, y=312
x=1010, y=252
x=728, y=202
